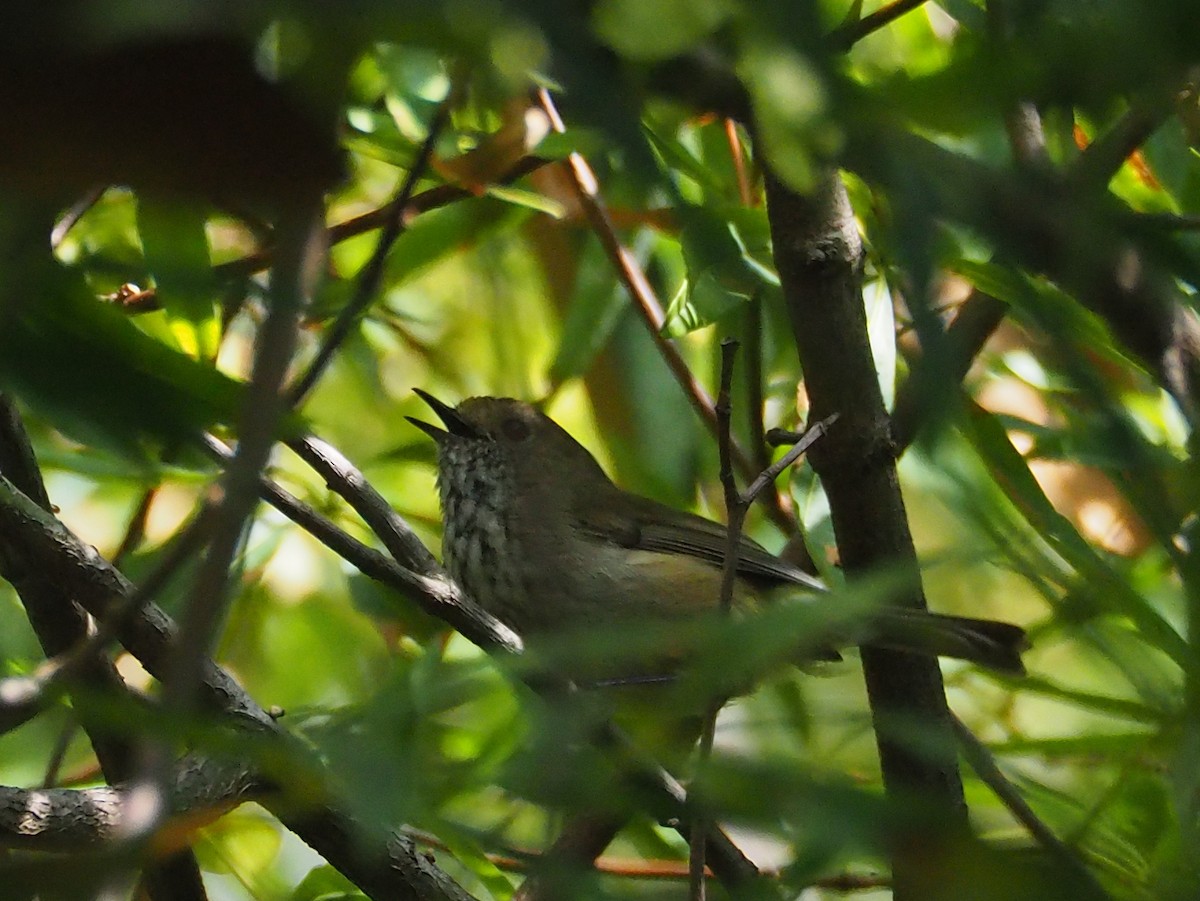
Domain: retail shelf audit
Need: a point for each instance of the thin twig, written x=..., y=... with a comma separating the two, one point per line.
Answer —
x=846, y=36
x=411, y=568
x=646, y=302
x=984, y=765
x=736, y=505
x=430, y=199
x=738, y=156
x=135, y=531
x=803, y=443
x=22, y=697
x=70, y=218
x=735, y=510
x=371, y=277
x=628, y=269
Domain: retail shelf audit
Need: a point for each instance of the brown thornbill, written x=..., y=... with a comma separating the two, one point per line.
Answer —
x=542, y=538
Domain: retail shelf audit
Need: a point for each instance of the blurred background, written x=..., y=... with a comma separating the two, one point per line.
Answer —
x=1033, y=155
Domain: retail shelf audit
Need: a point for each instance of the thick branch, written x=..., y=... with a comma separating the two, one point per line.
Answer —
x=61, y=630
x=48, y=546
x=74, y=820
x=818, y=253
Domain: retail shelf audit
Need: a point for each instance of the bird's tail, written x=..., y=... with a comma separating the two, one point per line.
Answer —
x=989, y=643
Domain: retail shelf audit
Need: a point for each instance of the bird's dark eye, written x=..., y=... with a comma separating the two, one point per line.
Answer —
x=515, y=429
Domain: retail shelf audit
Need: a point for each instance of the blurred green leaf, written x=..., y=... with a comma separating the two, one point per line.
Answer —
x=176, y=248
x=1014, y=478
x=595, y=307
x=790, y=108
x=85, y=364
x=241, y=844
x=440, y=233
x=324, y=883
x=653, y=31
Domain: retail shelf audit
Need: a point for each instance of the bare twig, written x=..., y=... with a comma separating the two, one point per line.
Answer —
x=802, y=443
x=431, y=199
x=745, y=195
x=628, y=269
x=985, y=768
x=1105, y=156
x=412, y=568
x=371, y=276
x=846, y=36
x=735, y=511
x=736, y=505
x=69, y=219
x=646, y=302
x=135, y=531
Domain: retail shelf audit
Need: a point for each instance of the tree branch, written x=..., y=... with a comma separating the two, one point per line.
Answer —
x=646, y=303
x=371, y=276
x=62, y=631
x=818, y=254
x=49, y=547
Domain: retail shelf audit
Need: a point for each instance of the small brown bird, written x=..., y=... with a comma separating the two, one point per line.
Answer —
x=539, y=536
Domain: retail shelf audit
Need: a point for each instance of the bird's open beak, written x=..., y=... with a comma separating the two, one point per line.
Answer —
x=455, y=424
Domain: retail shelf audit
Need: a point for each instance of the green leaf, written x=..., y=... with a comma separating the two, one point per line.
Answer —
x=86, y=367
x=435, y=235
x=677, y=156
x=727, y=254
x=596, y=305
x=242, y=843
x=530, y=200
x=790, y=109
x=559, y=145
x=176, y=248
x=324, y=883
x=660, y=30
x=1107, y=586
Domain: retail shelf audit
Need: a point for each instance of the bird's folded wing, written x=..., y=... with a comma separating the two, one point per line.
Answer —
x=651, y=526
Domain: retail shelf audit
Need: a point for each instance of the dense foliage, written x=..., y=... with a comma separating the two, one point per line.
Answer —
x=268, y=223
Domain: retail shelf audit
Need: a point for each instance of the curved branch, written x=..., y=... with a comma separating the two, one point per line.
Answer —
x=73, y=820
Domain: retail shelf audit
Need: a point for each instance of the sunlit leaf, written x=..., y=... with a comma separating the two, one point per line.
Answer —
x=176, y=248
